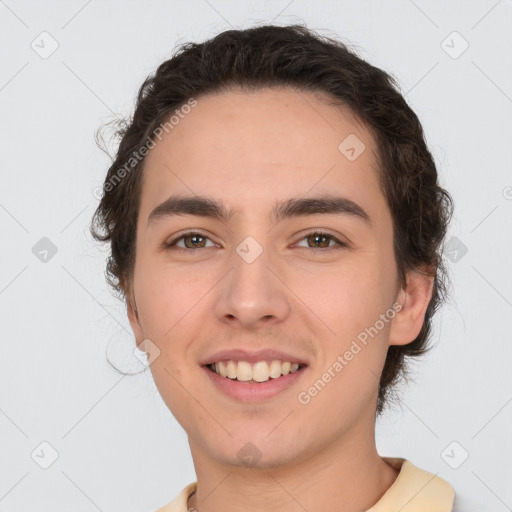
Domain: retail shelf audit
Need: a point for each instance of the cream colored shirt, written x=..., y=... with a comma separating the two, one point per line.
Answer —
x=414, y=490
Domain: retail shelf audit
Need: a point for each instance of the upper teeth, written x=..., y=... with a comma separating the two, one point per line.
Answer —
x=260, y=371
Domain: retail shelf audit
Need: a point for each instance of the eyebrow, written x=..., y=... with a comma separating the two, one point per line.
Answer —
x=201, y=206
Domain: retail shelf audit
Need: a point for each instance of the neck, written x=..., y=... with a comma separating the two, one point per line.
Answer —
x=348, y=475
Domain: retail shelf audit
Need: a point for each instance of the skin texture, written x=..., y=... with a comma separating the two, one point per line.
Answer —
x=249, y=150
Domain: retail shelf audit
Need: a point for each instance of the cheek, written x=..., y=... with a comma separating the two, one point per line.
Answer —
x=177, y=392
x=169, y=302
x=350, y=304
x=347, y=299
x=165, y=297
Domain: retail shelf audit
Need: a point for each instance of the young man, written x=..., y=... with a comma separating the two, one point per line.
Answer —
x=276, y=226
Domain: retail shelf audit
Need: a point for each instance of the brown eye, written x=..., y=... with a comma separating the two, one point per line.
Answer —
x=190, y=240
x=321, y=240
x=195, y=241
x=318, y=240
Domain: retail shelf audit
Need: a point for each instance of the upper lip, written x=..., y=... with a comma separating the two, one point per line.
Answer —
x=252, y=357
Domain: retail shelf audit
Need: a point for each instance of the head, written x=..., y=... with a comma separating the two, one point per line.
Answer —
x=247, y=120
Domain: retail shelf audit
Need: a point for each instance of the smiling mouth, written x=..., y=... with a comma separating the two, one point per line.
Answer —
x=259, y=372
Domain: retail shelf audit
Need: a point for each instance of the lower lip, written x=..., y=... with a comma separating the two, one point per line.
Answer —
x=250, y=391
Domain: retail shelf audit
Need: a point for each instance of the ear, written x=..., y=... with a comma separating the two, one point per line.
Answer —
x=133, y=316
x=407, y=323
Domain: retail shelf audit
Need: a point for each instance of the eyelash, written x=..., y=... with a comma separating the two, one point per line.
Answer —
x=172, y=244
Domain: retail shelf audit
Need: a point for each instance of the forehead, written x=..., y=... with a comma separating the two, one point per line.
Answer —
x=254, y=147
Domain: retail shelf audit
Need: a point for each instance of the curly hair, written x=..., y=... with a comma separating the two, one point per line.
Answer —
x=296, y=57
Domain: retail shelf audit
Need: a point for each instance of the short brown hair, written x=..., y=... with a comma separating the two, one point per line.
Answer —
x=296, y=57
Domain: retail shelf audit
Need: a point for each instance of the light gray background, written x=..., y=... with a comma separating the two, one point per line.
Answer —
x=119, y=447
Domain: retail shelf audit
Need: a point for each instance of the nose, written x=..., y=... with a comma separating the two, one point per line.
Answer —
x=252, y=294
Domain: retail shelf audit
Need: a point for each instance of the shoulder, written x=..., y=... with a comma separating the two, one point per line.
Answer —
x=179, y=504
x=416, y=490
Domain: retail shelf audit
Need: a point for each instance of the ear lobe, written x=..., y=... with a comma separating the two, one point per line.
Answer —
x=407, y=323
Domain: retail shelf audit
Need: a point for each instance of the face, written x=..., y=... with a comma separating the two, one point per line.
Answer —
x=296, y=260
